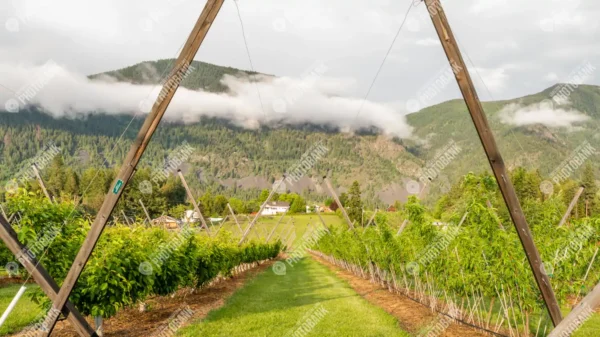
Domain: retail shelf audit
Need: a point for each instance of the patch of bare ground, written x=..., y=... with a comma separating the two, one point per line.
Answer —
x=412, y=316
x=131, y=322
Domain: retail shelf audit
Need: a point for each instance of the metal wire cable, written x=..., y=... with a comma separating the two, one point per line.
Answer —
x=410, y=7
x=235, y=2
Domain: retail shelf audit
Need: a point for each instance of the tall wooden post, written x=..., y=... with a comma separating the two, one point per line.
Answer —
x=577, y=316
x=3, y=213
x=189, y=50
x=402, y=226
x=235, y=219
x=193, y=201
x=372, y=218
x=42, y=278
x=125, y=217
x=570, y=208
x=262, y=207
x=469, y=93
x=277, y=225
x=41, y=181
x=146, y=212
x=337, y=200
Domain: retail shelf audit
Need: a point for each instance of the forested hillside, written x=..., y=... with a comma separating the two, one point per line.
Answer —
x=232, y=159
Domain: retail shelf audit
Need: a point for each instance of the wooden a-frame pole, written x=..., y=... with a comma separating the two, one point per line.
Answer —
x=146, y=212
x=570, y=208
x=203, y=24
x=42, y=278
x=276, y=226
x=469, y=93
x=579, y=315
x=235, y=219
x=41, y=181
x=337, y=200
x=262, y=207
x=193, y=201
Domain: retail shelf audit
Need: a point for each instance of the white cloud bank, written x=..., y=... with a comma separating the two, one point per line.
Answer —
x=289, y=101
x=544, y=113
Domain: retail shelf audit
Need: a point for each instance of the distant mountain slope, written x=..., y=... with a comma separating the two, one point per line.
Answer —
x=202, y=75
x=229, y=157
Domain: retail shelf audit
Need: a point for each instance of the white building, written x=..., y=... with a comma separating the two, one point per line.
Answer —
x=276, y=207
x=191, y=216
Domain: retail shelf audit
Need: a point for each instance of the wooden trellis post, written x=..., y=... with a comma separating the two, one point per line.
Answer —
x=404, y=223
x=570, y=208
x=322, y=220
x=583, y=311
x=337, y=200
x=203, y=24
x=41, y=181
x=262, y=207
x=371, y=220
x=275, y=227
x=235, y=218
x=146, y=212
x=42, y=278
x=486, y=136
x=193, y=201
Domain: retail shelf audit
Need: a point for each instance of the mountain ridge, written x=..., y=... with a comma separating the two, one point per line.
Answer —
x=226, y=154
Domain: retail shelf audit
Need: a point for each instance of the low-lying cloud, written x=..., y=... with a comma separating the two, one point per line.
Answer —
x=285, y=101
x=544, y=113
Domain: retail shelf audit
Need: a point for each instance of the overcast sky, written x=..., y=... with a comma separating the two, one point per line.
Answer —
x=519, y=47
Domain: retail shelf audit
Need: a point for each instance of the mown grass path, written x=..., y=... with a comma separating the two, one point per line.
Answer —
x=309, y=300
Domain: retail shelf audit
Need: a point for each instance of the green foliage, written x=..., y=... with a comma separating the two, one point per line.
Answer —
x=354, y=205
x=481, y=257
x=588, y=181
x=112, y=279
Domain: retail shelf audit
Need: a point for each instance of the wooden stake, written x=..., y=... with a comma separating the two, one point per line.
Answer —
x=235, y=219
x=193, y=201
x=322, y=221
x=146, y=212
x=3, y=213
x=337, y=200
x=371, y=220
x=211, y=9
x=486, y=137
x=41, y=181
x=275, y=227
x=42, y=278
x=404, y=223
x=262, y=207
x=570, y=208
x=125, y=217
x=587, y=273
x=581, y=312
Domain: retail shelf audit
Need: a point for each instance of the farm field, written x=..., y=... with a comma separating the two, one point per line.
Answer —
x=265, y=224
x=279, y=305
x=338, y=186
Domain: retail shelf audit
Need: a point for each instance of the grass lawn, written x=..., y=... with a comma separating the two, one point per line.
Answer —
x=265, y=225
x=25, y=313
x=274, y=305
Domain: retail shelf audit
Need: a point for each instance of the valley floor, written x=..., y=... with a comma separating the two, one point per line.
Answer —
x=310, y=298
x=307, y=299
